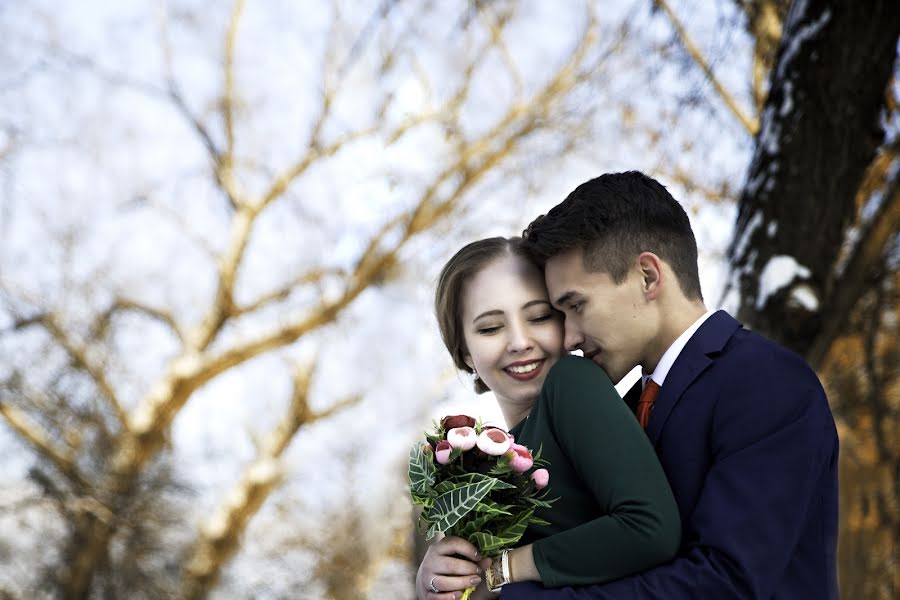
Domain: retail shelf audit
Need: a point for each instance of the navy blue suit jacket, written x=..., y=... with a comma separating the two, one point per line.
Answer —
x=747, y=440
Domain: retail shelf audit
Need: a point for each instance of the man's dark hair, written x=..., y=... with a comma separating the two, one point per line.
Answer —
x=614, y=218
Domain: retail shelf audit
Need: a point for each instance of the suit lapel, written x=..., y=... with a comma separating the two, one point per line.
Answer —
x=696, y=356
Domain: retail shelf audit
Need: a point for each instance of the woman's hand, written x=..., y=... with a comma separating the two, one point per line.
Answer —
x=446, y=572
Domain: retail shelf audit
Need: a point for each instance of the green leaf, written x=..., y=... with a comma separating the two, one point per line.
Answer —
x=452, y=506
x=501, y=468
x=488, y=544
x=475, y=525
x=469, y=478
x=422, y=500
x=516, y=528
x=510, y=532
x=489, y=506
x=421, y=471
x=540, y=503
x=445, y=486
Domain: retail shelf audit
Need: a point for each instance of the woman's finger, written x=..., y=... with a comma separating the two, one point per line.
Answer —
x=455, y=545
x=449, y=565
x=449, y=587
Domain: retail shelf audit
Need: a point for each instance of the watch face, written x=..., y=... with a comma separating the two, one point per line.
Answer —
x=494, y=575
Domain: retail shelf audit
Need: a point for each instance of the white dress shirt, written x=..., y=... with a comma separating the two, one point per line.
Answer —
x=668, y=359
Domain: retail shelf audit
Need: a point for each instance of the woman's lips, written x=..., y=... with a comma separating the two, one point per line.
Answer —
x=527, y=370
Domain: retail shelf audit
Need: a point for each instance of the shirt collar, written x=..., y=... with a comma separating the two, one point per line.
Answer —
x=668, y=359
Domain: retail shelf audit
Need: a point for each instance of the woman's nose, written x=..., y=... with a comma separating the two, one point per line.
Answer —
x=519, y=340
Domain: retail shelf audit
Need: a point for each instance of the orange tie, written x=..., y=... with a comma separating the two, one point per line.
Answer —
x=645, y=404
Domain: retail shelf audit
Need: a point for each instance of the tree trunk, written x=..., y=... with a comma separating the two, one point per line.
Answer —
x=800, y=225
x=820, y=130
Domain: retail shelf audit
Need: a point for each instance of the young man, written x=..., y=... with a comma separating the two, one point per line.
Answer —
x=741, y=425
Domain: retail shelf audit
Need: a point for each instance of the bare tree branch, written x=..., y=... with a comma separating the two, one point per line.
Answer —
x=225, y=167
x=40, y=440
x=751, y=124
x=313, y=153
x=496, y=30
x=79, y=355
x=228, y=72
x=690, y=184
x=765, y=21
x=310, y=277
x=220, y=534
x=222, y=160
x=127, y=305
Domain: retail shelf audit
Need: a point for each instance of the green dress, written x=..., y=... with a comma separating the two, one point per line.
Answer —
x=614, y=514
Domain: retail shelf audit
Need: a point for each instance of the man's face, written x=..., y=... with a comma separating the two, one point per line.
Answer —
x=610, y=323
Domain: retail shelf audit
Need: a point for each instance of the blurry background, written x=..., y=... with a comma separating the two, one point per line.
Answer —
x=221, y=223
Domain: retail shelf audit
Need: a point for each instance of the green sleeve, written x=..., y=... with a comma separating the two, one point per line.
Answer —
x=639, y=526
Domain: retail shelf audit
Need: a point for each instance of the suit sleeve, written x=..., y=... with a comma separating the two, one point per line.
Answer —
x=639, y=526
x=773, y=436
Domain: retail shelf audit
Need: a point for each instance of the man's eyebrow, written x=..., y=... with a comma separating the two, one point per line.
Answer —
x=565, y=298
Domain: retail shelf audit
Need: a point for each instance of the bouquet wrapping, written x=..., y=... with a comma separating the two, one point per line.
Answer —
x=473, y=481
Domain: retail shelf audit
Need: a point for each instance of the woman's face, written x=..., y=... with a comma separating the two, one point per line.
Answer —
x=512, y=333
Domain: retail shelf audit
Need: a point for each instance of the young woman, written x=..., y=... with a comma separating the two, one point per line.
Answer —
x=614, y=514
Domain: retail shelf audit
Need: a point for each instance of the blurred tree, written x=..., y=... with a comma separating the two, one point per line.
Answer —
x=98, y=417
x=182, y=200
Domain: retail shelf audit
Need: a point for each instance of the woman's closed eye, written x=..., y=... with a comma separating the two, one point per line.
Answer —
x=542, y=318
x=489, y=330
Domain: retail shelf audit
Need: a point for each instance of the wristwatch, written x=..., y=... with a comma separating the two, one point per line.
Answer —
x=497, y=574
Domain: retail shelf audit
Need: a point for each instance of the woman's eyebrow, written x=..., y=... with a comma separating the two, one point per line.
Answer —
x=488, y=313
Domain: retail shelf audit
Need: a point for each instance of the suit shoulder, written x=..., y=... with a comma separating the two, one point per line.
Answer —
x=754, y=361
x=747, y=345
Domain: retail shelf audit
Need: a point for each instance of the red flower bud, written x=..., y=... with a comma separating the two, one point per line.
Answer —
x=451, y=421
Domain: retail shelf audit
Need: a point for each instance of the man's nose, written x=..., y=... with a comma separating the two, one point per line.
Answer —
x=573, y=338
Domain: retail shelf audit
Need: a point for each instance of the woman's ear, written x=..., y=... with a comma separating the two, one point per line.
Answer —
x=651, y=270
x=468, y=360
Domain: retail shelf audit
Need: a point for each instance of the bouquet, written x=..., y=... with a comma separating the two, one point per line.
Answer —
x=472, y=481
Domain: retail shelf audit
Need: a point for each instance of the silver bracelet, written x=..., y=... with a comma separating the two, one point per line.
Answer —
x=504, y=565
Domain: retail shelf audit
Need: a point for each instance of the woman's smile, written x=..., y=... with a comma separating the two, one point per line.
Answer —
x=525, y=370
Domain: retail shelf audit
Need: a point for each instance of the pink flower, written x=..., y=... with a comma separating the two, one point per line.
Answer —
x=462, y=438
x=520, y=458
x=451, y=421
x=442, y=452
x=541, y=478
x=493, y=441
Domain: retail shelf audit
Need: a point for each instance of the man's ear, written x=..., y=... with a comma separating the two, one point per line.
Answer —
x=650, y=266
